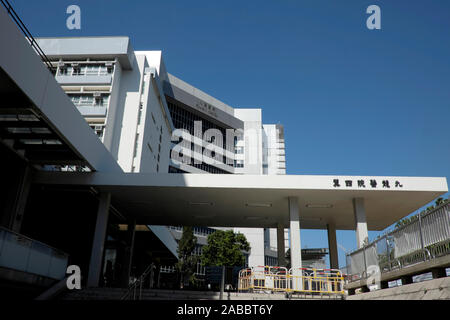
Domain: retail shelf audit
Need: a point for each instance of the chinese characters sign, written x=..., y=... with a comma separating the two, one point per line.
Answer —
x=367, y=183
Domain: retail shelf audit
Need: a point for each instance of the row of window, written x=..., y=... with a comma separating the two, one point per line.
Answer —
x=184, y=119
x=198, y=231
x=200, y=270
x=85, y=70
x=270, y=261
x=88, y=100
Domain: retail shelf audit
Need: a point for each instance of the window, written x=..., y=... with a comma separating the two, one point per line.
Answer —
x=140, y=113
x=101, y=101
x=238, y=163
x=92, y=70
x=62, y=71
x=136, y=144
x=78, y=70
x=184, y=119
x=88, y=100
x=239, y=150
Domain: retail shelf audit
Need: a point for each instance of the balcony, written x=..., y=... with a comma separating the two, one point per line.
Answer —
x=84, y=74
x=90, y=106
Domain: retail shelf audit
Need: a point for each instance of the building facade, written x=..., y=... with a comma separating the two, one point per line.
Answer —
x=152, y=121
x=52, y=219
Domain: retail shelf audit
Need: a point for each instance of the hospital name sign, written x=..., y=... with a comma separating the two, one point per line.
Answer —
x=371, y=183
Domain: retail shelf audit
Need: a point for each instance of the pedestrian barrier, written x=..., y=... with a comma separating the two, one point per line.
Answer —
x=299, y=280
x=424, y=238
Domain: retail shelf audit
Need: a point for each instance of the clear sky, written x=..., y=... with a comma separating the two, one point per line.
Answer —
x=353, y=101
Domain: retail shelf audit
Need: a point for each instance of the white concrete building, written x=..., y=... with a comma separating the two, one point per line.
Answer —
x=135, y=106
x=119, y=93
x=70, y=216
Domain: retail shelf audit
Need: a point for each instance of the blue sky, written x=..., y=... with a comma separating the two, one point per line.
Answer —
x=353, y=101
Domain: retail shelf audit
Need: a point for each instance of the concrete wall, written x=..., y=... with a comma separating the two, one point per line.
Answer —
x=255, y=237
x=273, y=151
x=437, y=289
x=129, y=98
x=154, y=156
x=115, y=114
x=252, y=140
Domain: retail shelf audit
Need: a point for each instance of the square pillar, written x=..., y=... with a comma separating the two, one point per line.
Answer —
x=280, y=246
x=360, y=222
x=95, y=264
x=128, y=256
x=332, y=246
x=296, y=257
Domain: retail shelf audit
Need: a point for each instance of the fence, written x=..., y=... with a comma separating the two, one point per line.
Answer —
x=426, y=237
x=21, y=253
x=301, y=280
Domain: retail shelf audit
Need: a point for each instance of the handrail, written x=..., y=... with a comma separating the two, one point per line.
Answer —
x=27, y=34
x=424, y=249
x=138, y=282
x=58, y=251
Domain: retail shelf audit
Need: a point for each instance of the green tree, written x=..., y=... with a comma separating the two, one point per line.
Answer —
x=187, y=260
x=224, y=248
x=439, y=201
x=407, y=220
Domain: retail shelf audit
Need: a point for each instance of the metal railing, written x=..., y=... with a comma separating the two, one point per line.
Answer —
x=424, y=238
x=18, y=252
x=84, y=70
x=300, y=280
x=27, y=34
x=134, y=291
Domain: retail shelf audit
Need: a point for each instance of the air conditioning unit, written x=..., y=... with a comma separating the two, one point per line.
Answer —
x=98, y=127
x=61, y=64
x=97, y=95
x=75, y=65
x=109, y=64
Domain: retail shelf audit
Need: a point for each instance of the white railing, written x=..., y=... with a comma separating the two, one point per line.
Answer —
x=426, y=237
x=84, y=70
x=18, y=252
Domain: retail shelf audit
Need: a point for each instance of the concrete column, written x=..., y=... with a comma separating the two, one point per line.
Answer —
x=95, y=264
x=280, y=245
x=128, y=256
x=332, y=246
x=296, y=257
x=360, y=222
